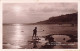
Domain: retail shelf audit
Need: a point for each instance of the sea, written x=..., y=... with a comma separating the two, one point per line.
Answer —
x=19, y=36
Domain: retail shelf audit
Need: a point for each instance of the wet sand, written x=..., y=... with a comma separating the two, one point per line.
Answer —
x=20, y=37
x=42, y=43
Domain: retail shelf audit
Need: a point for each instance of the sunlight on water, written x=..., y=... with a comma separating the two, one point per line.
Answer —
x=18, y=32
x=18, y=35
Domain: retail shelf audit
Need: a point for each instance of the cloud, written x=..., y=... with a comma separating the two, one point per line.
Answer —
x=34, y=12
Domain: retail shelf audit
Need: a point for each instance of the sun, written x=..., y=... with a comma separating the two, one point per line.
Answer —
x=17, y=8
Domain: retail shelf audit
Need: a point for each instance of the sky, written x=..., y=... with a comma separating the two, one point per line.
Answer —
x=35, y=12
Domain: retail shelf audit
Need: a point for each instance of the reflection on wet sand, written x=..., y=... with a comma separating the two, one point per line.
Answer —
x=52, y=43
x=49, y=43
x=53, y=37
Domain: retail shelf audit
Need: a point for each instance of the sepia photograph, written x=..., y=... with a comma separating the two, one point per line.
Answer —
x=40, y=25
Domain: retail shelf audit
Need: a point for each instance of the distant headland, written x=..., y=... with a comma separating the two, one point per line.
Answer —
x=63, y=19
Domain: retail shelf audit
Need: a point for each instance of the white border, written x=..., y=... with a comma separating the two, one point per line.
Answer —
x=26, y=1
x=37, y=1
x=0, y=24
x=78, y=25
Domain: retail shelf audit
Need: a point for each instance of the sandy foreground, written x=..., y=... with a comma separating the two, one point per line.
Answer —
x=43, y=43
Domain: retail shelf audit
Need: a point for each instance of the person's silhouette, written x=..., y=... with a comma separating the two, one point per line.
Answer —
x=35, y=32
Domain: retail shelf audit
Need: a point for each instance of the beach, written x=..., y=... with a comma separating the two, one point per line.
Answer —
x=19, y=36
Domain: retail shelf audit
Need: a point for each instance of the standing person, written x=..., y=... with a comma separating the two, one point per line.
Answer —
x=35, y=32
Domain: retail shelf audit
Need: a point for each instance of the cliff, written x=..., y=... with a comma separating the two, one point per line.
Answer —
x=68, y=18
